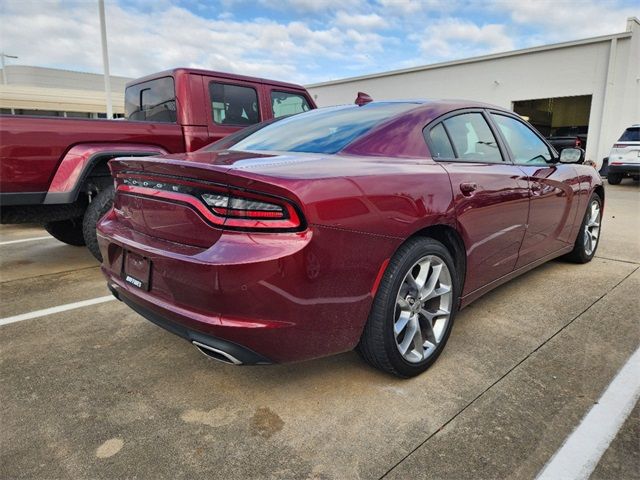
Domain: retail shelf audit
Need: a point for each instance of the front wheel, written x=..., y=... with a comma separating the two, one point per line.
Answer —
x=589, y=235
x=413, y=310
x=95, y=211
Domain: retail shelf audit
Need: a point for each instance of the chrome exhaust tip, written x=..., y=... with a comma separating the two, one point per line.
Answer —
x=216, y=353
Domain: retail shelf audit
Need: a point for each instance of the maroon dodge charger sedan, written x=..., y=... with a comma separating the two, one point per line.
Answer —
x=362, y=227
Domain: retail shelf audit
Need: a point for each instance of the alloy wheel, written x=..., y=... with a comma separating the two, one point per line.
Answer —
x=592, y=228
x=423, y=308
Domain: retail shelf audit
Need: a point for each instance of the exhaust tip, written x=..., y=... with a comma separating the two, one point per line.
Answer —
x=216, y=353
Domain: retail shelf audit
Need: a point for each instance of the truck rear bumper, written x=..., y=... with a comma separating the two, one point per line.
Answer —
x=624, y=168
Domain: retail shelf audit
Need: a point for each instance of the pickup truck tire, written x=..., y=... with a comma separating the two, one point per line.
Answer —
x=95, y=211
x=614, y=178
x=67, y=231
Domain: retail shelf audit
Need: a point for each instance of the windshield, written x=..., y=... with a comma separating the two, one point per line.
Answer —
x=154, y=101
x=326, y=130
x=631, y=135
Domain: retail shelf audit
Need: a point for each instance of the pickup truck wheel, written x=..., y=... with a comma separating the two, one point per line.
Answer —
x=67, y=231
x=614, y=178
x=413, y=310
x=95, y=211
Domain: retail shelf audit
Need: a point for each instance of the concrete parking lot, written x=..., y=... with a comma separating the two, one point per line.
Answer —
x=99, y=392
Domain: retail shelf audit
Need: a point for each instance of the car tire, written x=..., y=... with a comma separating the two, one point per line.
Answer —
x=614, y=178
x=100, y=205
x=68, y=231
x=585, y=246
x=384, y=338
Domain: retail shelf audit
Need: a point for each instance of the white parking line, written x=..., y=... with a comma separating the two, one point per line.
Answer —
x=581, y=451
x=33, y=239
x=52, y=310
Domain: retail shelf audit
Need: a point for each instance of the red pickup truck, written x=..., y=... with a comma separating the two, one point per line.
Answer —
x=53, y=171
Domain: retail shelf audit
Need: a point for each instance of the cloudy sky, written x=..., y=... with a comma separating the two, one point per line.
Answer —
x=297, y=40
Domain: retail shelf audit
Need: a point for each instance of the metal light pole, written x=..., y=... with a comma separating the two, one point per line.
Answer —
x=105, y=59
x=2, y=57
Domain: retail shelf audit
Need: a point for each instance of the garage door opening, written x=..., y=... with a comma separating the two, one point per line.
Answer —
x=557, y=117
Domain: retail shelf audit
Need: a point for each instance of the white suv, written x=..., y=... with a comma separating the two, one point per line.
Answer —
x=624, y=159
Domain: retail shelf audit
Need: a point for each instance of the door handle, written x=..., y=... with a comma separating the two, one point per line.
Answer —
x=467, y=188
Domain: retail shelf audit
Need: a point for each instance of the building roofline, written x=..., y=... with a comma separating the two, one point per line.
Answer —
x=60, y=70
x=513, y=53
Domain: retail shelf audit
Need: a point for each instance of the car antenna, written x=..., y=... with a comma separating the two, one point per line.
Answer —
x=363, y=99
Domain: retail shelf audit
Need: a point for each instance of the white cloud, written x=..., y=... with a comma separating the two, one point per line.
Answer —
x=312, y=6
x=365, y=21
x=567, y=20
x=416, y=7
x=453, y=38
x=66, y=34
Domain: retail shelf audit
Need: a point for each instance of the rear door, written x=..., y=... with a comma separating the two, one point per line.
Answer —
x=490, y=193
x=554, y=189
x=232, y=106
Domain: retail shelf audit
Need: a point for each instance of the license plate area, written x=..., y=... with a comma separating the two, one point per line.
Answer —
x=136, y=270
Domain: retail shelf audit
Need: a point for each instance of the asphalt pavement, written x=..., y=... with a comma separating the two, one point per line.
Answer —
x=99, y=392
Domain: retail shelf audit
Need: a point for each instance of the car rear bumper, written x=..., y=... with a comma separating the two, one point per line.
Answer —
x=213, y=347
x=624, y=168
x=262, y=298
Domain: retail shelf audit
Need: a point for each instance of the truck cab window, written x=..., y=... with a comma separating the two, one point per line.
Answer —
x=233, y=104
x=286, y=103
x=153, y=101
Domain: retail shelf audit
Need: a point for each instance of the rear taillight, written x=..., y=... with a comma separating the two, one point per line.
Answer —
x=578, y=143
x=227, y=207
x=250, y=210
x=619, y=145
x=242, y=207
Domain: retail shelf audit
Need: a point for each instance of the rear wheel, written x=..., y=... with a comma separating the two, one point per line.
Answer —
x=614, y=178
x=589, y=235
x=68, y=231
x=95, y=211
x=413, y=310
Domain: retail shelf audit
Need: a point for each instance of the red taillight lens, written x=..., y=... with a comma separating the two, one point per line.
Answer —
x=619, y=145
x=228, y=208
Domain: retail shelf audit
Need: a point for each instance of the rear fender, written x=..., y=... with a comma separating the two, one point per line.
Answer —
x=80, y=160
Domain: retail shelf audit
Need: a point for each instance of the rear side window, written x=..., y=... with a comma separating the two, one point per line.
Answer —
x=472, y=138
x=286, y=103
x=439, y=143
x=631, y=135
x=154, y=101
x=233, y=104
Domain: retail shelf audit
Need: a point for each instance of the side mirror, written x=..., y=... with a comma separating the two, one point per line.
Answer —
x=572, y=155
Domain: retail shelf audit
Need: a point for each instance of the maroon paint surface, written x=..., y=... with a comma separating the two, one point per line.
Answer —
x=298, y=295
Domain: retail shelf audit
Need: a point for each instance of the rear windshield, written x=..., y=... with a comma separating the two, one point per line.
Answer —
x=154, y=101
x=326, y=130
x=631, y=135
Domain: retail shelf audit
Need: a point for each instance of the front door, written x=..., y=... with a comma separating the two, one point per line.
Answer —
x=491, y=195
x=553, y=188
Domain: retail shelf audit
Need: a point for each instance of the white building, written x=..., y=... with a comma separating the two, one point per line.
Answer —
x=592, y=83
x=48, y=91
